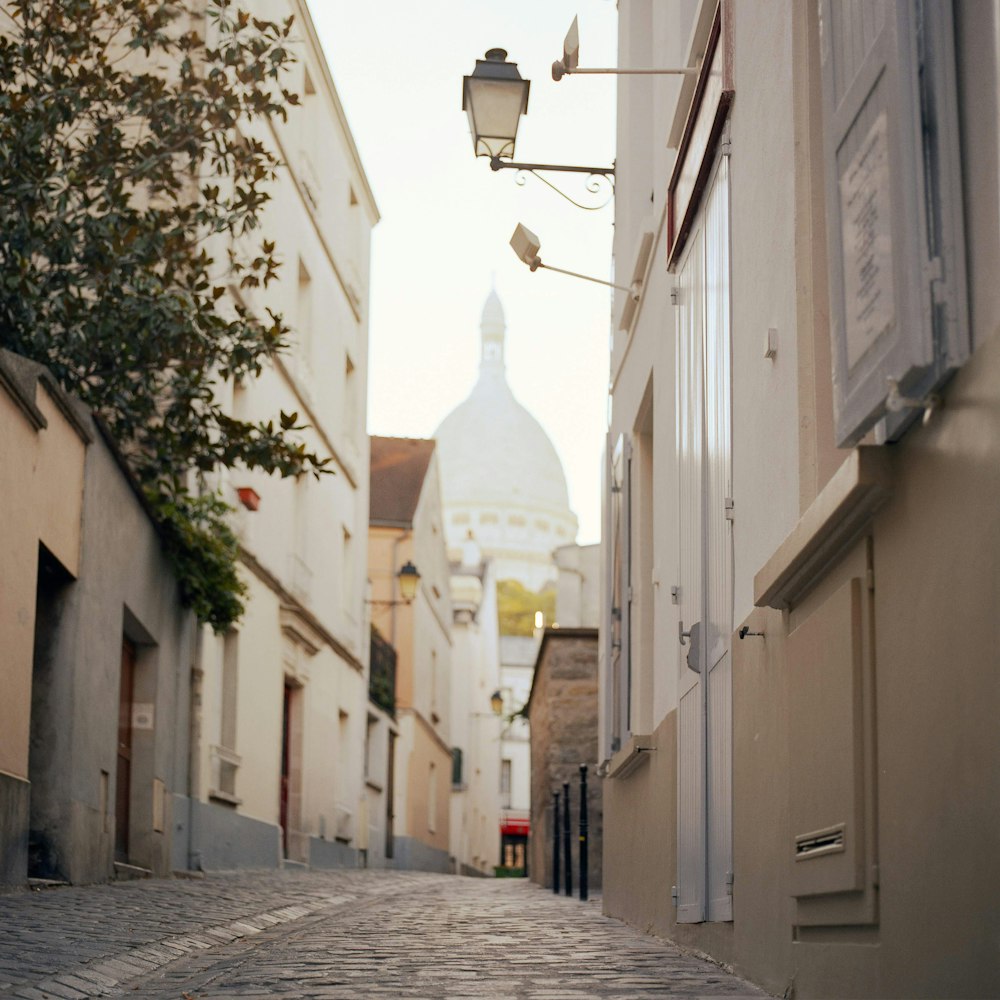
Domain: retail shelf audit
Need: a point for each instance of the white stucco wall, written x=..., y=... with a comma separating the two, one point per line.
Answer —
x=475, y=804
x=306, y=544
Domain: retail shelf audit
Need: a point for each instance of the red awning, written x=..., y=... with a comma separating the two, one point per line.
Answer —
x=515, y=827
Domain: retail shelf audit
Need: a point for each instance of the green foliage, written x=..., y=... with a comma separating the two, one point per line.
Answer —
x=122, y=163
x=203, y=550
x=516, y=607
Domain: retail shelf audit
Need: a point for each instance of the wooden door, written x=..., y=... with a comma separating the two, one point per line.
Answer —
x=390, y=793
x=123, y=777
x=286, y=764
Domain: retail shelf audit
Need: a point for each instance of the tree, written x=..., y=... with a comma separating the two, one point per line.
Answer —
x=516, y=607
x=126, y=153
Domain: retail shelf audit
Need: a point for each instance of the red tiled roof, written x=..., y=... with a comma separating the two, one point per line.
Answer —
x=398, y=469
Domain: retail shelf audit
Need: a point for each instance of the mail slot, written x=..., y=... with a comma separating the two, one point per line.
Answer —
x=813, y=845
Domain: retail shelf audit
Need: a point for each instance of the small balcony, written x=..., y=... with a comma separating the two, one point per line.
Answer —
x=382, y=678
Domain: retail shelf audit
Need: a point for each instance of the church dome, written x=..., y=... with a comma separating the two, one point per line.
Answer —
x=498, y=465
x=490, y=447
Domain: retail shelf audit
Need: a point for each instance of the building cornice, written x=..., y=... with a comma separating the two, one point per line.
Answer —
x=288, y=600
x=305, y=18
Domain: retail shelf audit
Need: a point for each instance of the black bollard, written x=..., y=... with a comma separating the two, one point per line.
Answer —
x=583, y=831
x=555, y=843
x=567, y=834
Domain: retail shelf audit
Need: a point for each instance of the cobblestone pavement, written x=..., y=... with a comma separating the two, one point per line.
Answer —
x=342, y=934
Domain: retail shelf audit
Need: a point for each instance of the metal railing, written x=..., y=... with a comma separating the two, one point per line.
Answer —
x=382, y=678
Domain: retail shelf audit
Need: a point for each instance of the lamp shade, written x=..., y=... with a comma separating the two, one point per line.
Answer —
x=525, y=244
x=409, y=577
x=494, y=97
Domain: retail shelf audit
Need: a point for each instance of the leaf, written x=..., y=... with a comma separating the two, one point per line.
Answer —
x=106, y=278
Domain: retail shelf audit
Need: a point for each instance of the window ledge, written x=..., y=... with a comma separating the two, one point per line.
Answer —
x=833, y=522
x=217, y=795
x=635, y=752
x=227, y=755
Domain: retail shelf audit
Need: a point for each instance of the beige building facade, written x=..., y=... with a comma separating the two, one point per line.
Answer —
x=798, y=694
x=97, y=650
x=41, y=480
x=406, y=526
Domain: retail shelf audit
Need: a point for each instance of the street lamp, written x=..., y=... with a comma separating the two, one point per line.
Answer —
x=494, y=97
x=409, y=579
x=525, y=244
x=570, y=62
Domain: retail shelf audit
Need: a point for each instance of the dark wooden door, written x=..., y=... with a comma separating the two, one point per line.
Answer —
x=123, y=778
x=390, y=791
x=286, y=763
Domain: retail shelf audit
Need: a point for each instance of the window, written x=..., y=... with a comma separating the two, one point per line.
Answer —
x=226, y=759
x=434, y=685
x=618, y=624
x=505, y=776
x=371, y=729
x=230, y=654
x=640, y=719
x=352, y=404
x=348, y=571
x=304, y=316
x=299, y=567
x=432, y=800
x=898, y=312
x=456, y=767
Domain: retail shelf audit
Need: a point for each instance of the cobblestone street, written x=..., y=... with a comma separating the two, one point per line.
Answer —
x=340, y=934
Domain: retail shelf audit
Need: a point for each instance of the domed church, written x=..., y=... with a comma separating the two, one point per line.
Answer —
x=500, y=475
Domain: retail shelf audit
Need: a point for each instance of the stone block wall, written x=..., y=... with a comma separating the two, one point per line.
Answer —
x=562, y=712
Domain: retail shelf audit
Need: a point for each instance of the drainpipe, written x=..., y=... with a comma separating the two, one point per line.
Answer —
x=194, y=747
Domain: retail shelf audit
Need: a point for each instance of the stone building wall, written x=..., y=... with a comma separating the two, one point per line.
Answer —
x=562, y=711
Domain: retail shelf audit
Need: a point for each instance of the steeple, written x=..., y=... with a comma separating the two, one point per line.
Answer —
x=492, y=327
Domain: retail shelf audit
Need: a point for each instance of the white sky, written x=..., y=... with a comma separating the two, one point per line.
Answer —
x=447, y=218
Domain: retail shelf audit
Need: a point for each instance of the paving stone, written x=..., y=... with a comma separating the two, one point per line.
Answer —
x=336, y=936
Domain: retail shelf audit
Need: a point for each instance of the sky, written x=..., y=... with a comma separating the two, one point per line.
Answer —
x=447, y=218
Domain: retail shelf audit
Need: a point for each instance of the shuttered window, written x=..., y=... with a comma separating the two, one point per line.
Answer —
x=898, y=318
x=618, y=624
x=705, y=592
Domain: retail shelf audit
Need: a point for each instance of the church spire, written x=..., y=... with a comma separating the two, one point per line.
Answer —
x=492, y=327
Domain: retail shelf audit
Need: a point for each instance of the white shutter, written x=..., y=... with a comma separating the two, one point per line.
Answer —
x=719, y=549
x=704, y=449
x=619, y=576
x=625, y=677
x=897, y=284
x=610, y=622
x=691, y=690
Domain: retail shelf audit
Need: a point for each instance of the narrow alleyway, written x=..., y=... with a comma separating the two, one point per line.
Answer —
x=342, y=934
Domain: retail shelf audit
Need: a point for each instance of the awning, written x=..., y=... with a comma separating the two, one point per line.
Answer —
x=515, y=827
